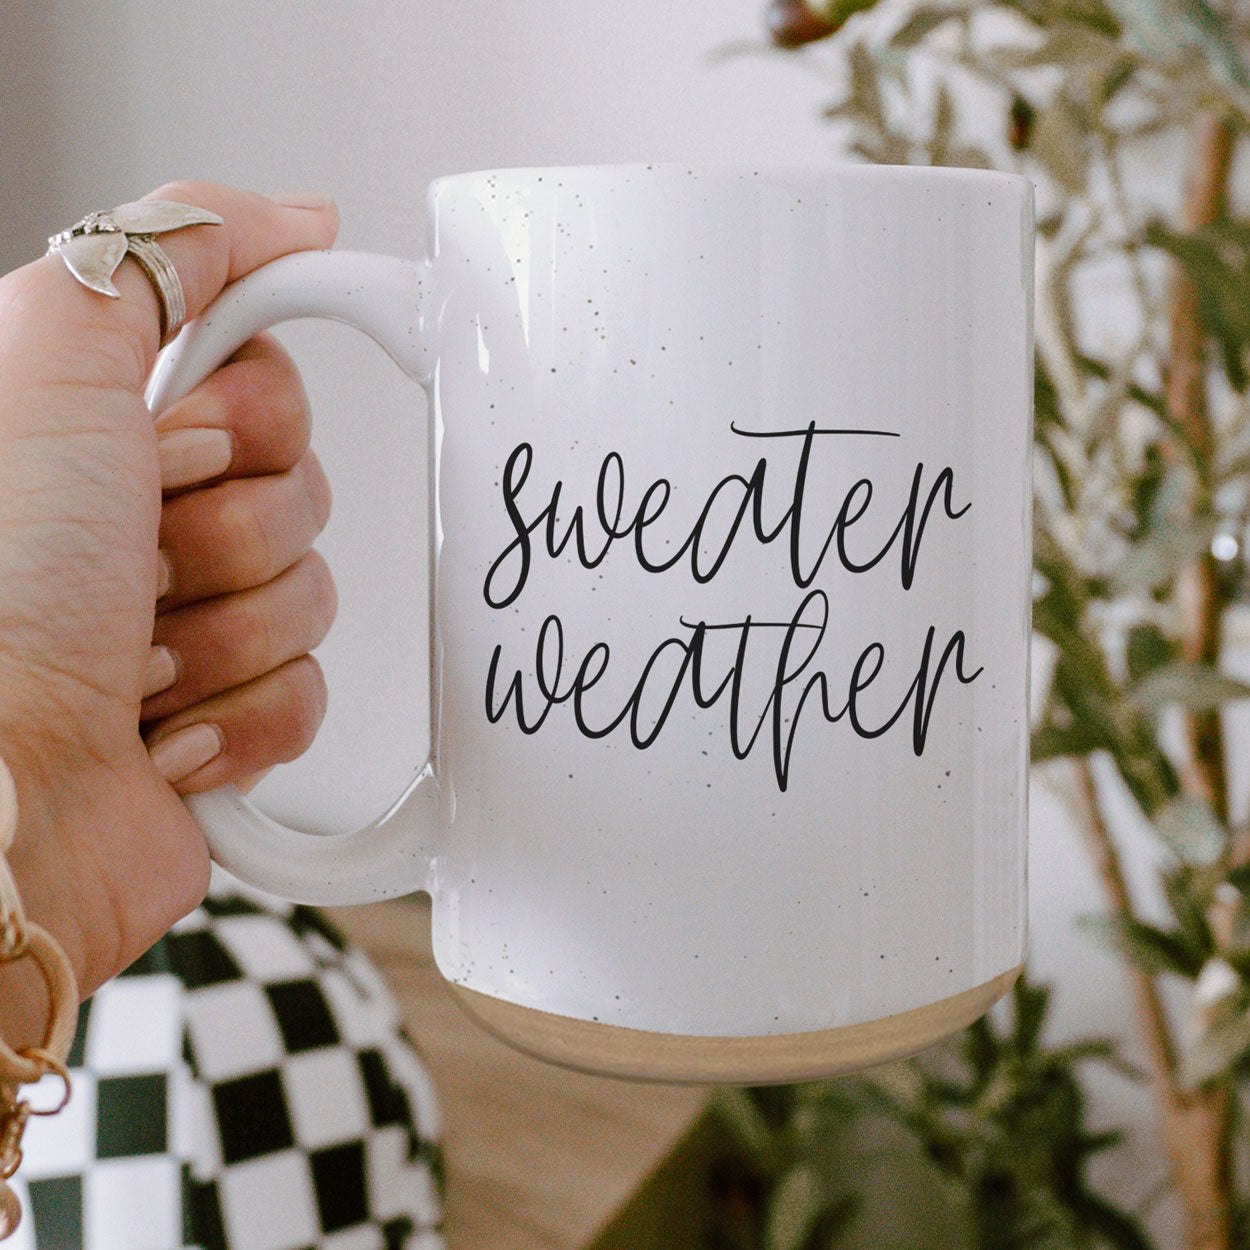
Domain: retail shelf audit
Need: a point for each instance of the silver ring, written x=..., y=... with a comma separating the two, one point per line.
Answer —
x=93, y=248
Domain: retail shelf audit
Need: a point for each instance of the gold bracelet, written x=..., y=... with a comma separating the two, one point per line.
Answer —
x=20, y=937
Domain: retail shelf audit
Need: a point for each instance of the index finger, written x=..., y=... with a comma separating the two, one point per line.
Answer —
x=117, y=339
x=258, y=398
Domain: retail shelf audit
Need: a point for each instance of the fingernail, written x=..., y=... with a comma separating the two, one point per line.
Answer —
x=189, y=456
x=300, y=199
x=160, y=672
x=180, y=753
x=164, y=574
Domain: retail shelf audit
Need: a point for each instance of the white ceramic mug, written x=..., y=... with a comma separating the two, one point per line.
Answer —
x=731, y=597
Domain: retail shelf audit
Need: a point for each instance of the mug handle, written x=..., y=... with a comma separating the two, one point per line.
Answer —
x=381, y=296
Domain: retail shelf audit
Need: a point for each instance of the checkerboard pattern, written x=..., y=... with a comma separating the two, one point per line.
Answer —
x=245, y=1086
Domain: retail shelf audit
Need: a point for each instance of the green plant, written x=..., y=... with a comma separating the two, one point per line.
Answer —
x=1142, y=501
x=988, y=1132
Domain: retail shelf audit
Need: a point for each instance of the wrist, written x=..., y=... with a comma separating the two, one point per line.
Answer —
x=106, y=854
x=61, y=793
x=38, y=988
x=25, y=1004
x=38, y=859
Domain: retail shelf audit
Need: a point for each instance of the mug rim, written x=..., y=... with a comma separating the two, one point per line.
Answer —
x=834, y=171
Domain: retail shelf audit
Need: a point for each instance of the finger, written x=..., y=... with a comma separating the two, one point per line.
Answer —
x=230, y=640
x=241, y=533
x=245, y=785
x=85, y=336
x=231, y=736
x=257, y=400
x=256, y=229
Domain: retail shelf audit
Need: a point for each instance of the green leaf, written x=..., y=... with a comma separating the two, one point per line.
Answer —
x=1096, y=1143
x=1089, y=1048
x=943, y=126
x=1060, y=143
x=1190, y=829
x=1118, y=1228
x=1057, y=741
x=741, y=1114
x=1104, y=1051
x=879, y=1095
x=1158, y=557
x=1193, y=685
x=1215, y=1052
x=834, y=1220
x=1166, y=28
x=1066, y=45
x=922, y=23
x=1148, y=493
x=865, y=91
x=1136, y=392
x=838, y=12
x=1116, y=77
x=1046, y=13
x=794, y=1208
x=1152, y=949
x=1031, y=1003
x=1169, y=508
x=969, y=156
x=1056, y=615
x=1215, y=258
x=1146, y=649
x=1045, y=397
x=1182, y=894
x=1095, y=14
x=980, y=1048
x=886, y=150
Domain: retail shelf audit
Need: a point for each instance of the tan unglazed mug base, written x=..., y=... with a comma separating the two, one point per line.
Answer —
x=639, y=1055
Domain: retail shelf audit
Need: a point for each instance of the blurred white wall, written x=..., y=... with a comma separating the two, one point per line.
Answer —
x=368, y=100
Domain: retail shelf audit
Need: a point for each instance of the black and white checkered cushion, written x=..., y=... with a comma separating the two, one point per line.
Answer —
x=245, y=1086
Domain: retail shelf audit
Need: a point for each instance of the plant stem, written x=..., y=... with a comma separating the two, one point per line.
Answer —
x=1193, y=1123
x=1196, y=1124
x=1155, y=1029
x=1205, y=202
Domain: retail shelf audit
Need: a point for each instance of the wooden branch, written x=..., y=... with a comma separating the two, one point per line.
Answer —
x=1205, y=202
x=1193, y=1123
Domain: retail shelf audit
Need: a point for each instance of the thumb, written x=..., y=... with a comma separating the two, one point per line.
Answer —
x=72, y=332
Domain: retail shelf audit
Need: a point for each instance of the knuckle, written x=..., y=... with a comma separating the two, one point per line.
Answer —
x=269, y=385
x=266, y=343
x=97, y=345
x=302, y=695
x=20, y=289
x=204, y=266
x=318, y=491
x=187, y=190
x=281, y=364
x=249, y=632
x=120, y=351
x=322, y=594
x=246, y=534
x=286, y=400
x=24, y=293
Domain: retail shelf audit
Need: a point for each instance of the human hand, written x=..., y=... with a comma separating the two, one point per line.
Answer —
x=107, y=856
x=229, y=687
